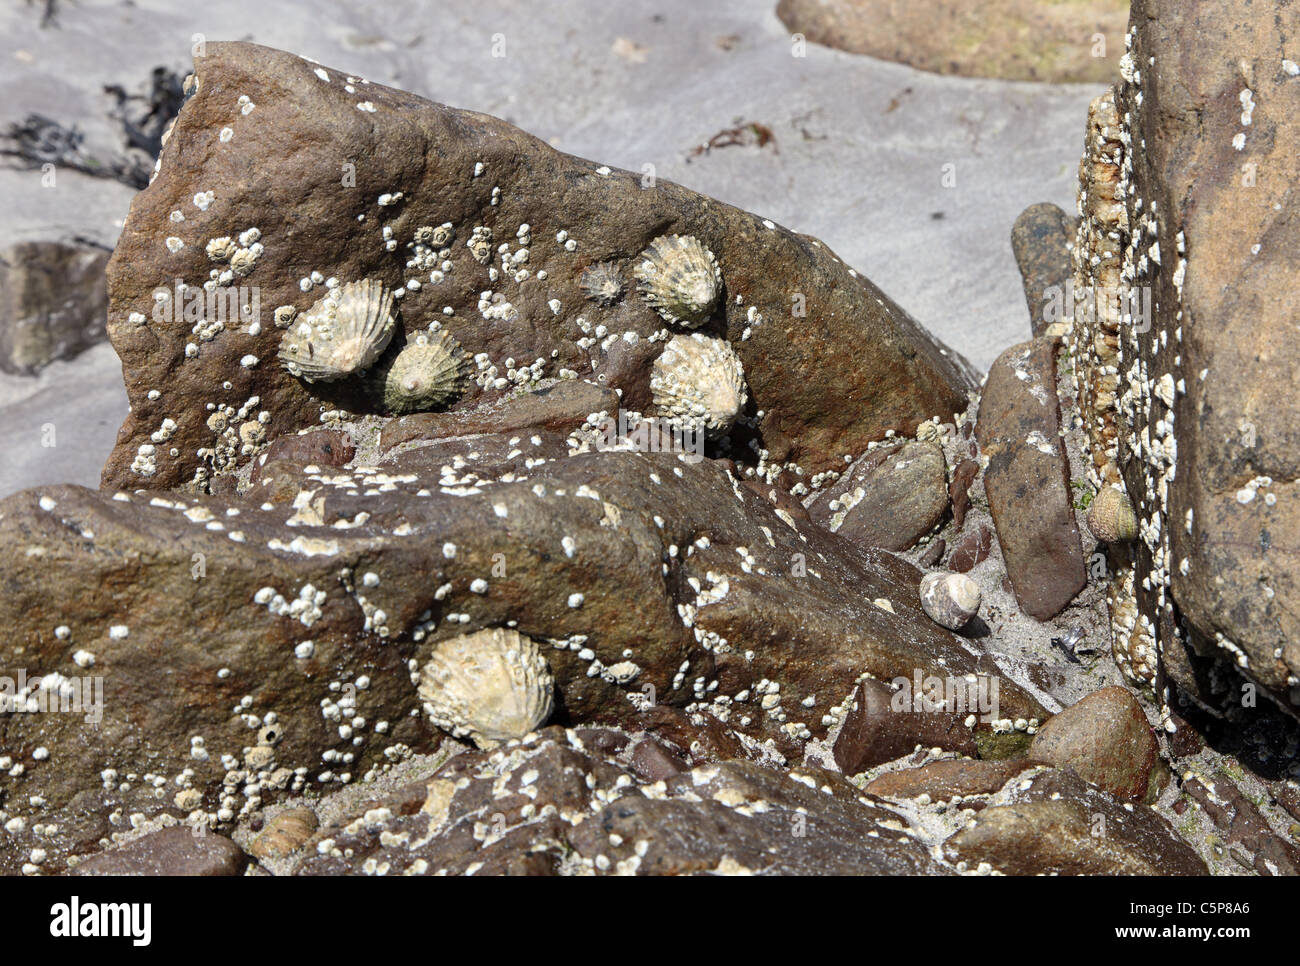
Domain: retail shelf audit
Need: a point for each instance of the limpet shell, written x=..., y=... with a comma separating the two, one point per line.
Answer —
x=285, y=834
x=680, y=279
x=492, y=685
x=698, y=382
x=603, y=283
x=1111, y=518
x=341, y=334
x=427, y=374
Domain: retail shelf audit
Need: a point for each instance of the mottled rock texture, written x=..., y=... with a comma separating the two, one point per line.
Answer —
x=651, y=580
x=1041, y=240
x=1037, y=40
x=1028, y=479
x=337, y=174
x=53, y=302
x=1105, y=739
x=1203, y=148
x=179, y=850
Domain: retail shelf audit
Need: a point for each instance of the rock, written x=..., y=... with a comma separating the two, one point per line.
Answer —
x=973, y=549
x=874, y=732
x=179, y=850
x=1057, y=824
x=560, y=409
x=963, y=475
x=1242, y=825
x=888, y=498
x=426, y=165
x=1105, y=738
x=1056, y=40
x=188, y=610
x=944, y=780
x=653, y=762
x=1208, y=454
x=552, y=804
x=1041, y=239
x=1027, y=479
x=52, y=302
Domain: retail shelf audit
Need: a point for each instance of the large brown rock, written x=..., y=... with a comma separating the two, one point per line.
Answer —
x=53, y=301
x=1036, y=40
x=1027, y=480
x=1105, y=738
x=1040, y=240
x=249, y=650
x=1205, y=142
x=179, y=850
x=336, y=174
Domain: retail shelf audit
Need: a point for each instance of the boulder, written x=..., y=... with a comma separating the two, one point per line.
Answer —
x=1105, y=739
x=53, y=302
x=301, y=174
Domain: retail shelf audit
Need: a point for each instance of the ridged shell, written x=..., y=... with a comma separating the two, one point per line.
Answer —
x=950, y=599
x=427, y=374
x=284, y=834
x=1111, y=518
x=699, y=382
x=603, y=283
x=680, y=279
x=341, y=334
x=492, y=685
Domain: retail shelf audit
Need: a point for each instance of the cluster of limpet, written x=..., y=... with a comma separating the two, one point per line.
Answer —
x=341, y=334
x=680, y=279
x=602, y=283
x=427, y=374
x=492, y=686
x=699, y=383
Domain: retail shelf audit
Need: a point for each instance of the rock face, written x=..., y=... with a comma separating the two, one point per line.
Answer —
x=1041, y=239
x=556, y=804
x=1056, y=40
x=266, y=647
x=299, y=197
x=1060, y=825
x=888, y=498
x=1105, y=738
x=1201, y=142
x=1028, y=479
x=53, y=301
x=179, y=850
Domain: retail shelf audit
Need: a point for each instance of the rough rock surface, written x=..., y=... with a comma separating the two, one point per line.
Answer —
x=654, y=580
x=1028, y=479
x=1055, y=823
x=1036, y=40
x=1105, y=738
x=873, y=733
x=889, y=498
x=554, y=805
x=180, y=850
x=339, y=191
x=945, y=780
x=1207, y=128
x=1041, y=240
x=53, y=302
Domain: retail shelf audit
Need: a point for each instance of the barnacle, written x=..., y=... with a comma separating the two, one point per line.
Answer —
x=492, y=685
x=341, y=334
x=699, y=383
x=680, y=279
x=428, y=373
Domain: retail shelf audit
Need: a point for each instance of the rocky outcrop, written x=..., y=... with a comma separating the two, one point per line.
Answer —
x=1200, y=149
x=53, y=302
x=264, y=204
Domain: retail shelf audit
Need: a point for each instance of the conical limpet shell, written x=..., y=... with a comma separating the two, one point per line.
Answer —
x=699, y=383
x=341, y=334
x=603, y=283
x=1111, y=518
x=492, y=685
x=949, y=599
x=680, y=279
x=427, y=374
